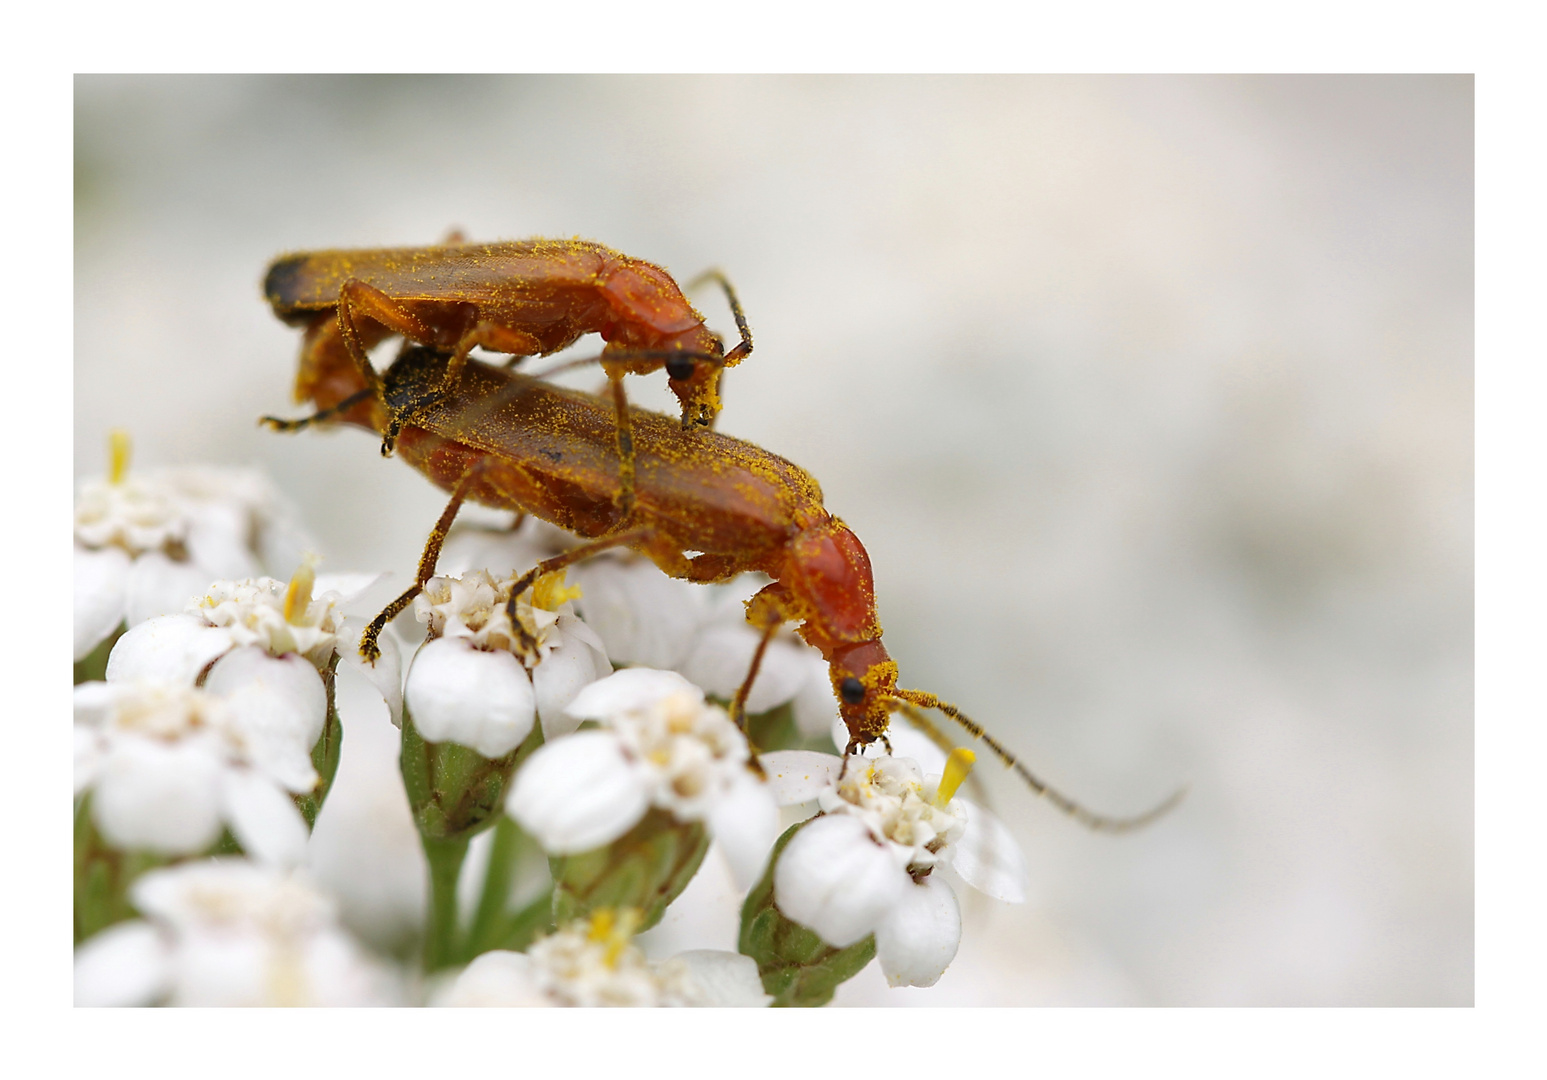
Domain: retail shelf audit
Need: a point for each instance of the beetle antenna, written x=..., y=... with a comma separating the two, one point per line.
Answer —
x=744, y=350
x=1094, y=822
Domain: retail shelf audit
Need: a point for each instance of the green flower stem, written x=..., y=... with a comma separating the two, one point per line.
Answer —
x=440, y=940
x=103, y=876
x=503, y=854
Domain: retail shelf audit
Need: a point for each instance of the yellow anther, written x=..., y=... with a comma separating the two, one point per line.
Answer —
x=118, y=447
x=957, y=766
x=298, y=597
x=550, y=593
x=614, y=929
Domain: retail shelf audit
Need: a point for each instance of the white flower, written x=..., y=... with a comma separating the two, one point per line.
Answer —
x=865, y=865
x=476, y=683
x=167, y=766
x=229, y=932
x=263, y=645
x=661, y=745
x=591, y=963
x=147, y=542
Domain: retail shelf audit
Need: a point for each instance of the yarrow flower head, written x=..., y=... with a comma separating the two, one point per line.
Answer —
x=592, y=963
x=478, y=681
x=147, y=542
x=168, y=766
x=865, y=865
x=660, y=745
x=229, y=932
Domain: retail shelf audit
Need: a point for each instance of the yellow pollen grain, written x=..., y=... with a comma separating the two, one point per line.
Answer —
x=957, y=766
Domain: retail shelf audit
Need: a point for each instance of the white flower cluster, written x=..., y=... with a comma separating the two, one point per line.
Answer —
x=647, y=619
x=145, y=543
x=229, y=932
x=168, y=766
x=661, y=745
x=468, y=686
x=591, y=963
x=864, y=866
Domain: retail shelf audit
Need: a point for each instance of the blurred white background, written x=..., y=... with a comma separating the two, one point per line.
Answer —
x=1151, y=399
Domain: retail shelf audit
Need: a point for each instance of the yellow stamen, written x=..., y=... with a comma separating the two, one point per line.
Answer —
x=550, y=593
x=957, y=766
x=298, y=597
x=614, y=929
x=118, y=447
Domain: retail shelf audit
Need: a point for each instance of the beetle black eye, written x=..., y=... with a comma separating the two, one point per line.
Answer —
x=679, y=368
x=851, y=690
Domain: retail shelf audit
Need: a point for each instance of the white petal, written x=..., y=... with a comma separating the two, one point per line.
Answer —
x=94, y=703
x=797, y=776
x=156, y=796
x=744, y=821
x=279, y=706
x=192, y=893
x=159, y=586
x=722, y=654
x=918, y=939
x=88, y=756
x=568, y=666
x=218, y=532
x=816, y=709
x=123, y=965
x=835, y=879
x=644, y=616
x=631, y=688
x=386, y=674
x=498, y=978
x=263, y=818
x=578, y=793
x=350, y=586
x=987, y=856
x=101, y=583
x=231, y=969
x=172, y=647
x=728, y=980
x=460, y=694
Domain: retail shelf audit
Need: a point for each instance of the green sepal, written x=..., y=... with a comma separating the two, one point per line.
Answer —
x=325, y=754
x=646, y=869
x=797, y=966
x=455, y=792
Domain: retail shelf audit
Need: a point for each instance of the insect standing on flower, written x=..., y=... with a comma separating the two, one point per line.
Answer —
x=524, y=297
x=513, y=442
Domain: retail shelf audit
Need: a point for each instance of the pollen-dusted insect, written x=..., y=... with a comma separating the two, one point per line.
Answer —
x=513, y=442
x=524, y=297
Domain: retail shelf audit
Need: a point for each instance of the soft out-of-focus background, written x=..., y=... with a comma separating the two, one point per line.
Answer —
x=1151, y=399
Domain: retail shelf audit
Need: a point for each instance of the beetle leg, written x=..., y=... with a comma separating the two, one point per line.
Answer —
x=625, y=440
x=739, y=703
x=358, y=300
x=495, y=338
x=625, y=537
x=427, y=561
